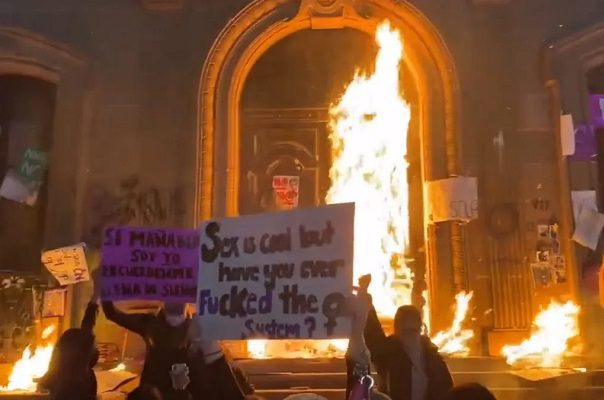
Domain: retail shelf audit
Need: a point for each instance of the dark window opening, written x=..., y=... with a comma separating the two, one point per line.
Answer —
x=26, y=119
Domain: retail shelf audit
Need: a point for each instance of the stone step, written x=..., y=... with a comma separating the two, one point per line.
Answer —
x=594, y=393
x=337, y=365
x=285, y=380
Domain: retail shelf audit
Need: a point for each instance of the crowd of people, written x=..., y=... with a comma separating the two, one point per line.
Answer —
x=181, y=365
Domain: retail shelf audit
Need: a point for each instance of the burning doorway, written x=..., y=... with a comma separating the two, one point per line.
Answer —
x=264, y=144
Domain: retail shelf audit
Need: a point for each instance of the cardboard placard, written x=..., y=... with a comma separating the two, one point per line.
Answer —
x=454, y=199
x=287, y=190
x=282, y=275
x=13, y=189
x=588, y=228
x=150, y=264
x=53, y=303
x=67, y=264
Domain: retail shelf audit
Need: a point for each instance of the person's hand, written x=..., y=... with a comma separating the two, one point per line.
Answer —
x=364, y=282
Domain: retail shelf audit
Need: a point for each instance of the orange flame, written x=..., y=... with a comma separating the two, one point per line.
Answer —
x=454, y=340
x=32, y=365
x=369, y=144
x=553, y=328
x=369, y=127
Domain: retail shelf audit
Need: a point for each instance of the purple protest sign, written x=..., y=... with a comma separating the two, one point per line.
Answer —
x=586, y=146
x=596, y=110
x=150, y=264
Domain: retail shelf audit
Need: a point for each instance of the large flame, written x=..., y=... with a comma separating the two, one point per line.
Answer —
x=369, y=144
x=454, y=340
x=32, y=365
x=553, y=328
x=368, y=128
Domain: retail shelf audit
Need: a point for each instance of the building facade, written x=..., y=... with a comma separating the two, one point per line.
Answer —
x=167, y=112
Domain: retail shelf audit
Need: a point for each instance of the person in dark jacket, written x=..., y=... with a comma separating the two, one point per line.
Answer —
x=408, y=362
x=144, y=393
x=172, y=343
x=70, y=374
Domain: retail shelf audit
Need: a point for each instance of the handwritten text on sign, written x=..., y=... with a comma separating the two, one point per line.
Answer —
x=67, y=264
x=454, y=199
x=277, y=276
x=150, y=264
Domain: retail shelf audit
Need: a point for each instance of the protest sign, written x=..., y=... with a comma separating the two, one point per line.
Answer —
x=67, y=264
x=32, y=168
x=150, y=264
x=287, y=190
x=53, y=303
x=588, y=228
x=454, y=199
x=282, y=275
x=13, y=189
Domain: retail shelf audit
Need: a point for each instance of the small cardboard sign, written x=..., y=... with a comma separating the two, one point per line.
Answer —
x=454, y=199
x=150, y=264
x=287, y=191
x=284, y=275
x=13, y=189
x=67, y=264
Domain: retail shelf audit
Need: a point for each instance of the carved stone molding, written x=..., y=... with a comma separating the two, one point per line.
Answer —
x=319, y=8
x=163, y=5
x=490, y=2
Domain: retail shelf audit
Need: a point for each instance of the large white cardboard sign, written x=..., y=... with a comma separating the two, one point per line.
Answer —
x=282, y=275
x=454, y=199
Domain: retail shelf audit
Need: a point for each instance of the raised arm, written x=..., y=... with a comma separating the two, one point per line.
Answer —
x=89, y=320
x=137, y=323
x=375, y=338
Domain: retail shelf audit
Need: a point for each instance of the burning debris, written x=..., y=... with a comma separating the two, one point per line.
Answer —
x=553, y=328
x=454, y=340
x=32, y=365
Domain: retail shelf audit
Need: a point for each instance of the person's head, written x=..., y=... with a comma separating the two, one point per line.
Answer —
x=408, y=323
x=175, y=313
x=470, y=391
x=144, y=392
x=73, y=353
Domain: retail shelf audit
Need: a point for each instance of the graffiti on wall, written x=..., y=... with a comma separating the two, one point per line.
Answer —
x=18, y=312
x=133, y=203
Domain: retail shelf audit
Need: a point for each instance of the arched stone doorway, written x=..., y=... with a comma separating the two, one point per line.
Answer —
x=264, y=23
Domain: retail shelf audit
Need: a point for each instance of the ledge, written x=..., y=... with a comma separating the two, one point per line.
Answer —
x=162, y=5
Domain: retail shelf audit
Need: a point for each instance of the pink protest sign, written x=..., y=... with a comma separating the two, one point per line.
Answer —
x=150, y=264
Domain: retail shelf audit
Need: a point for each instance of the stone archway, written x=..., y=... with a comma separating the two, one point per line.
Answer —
x=262, y=24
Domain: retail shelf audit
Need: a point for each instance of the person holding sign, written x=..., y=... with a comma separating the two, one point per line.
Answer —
x=410, y=363
x=179, y=363
x=172, y=364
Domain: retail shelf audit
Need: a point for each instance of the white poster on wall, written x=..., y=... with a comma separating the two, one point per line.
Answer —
x=282, y=275
x=454, y=199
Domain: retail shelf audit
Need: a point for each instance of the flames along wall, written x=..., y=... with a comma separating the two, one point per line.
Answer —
x=143, y=108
